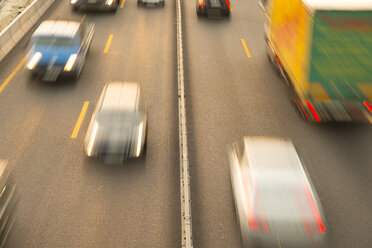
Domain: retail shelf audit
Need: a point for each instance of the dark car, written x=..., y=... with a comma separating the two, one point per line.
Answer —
x=111, y=5
x=211, y=8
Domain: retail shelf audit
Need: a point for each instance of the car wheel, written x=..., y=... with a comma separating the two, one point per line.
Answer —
x=139, y=3
x=162, y=4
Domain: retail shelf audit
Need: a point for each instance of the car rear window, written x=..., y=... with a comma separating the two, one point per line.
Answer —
x=215, y=3
x=53, y=41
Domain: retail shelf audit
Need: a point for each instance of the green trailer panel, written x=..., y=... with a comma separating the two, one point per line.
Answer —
x=341, y=54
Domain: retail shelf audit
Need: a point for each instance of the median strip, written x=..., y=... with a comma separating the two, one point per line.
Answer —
x=108, y=43
x=245, y=48
x=12, y=74
x=80, y=120
x=185, y=178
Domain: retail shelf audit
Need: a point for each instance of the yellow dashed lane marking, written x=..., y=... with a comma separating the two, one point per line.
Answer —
x=12, y=74
x=80, y=120
x=122, y=4
x=245, y=48
x=108, y=43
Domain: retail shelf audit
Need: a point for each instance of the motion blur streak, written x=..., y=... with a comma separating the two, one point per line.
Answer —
x=303, y=110
x=92, y=139
x=313, y=111
x=315, y=209
x=266, y=228
x=298, y=202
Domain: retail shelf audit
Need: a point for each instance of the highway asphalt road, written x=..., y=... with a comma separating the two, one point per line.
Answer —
x=70, y=201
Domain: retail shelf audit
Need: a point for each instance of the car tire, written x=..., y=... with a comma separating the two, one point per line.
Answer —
x=198, y=13
x=139, y=3
x=162, y=4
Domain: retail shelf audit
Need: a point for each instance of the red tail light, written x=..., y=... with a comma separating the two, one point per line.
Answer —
x=313, y=111
x=228, y=4
x=277, y=60
x=303, y=110
x=313, y=206
x=201, y=2
x=368, y=106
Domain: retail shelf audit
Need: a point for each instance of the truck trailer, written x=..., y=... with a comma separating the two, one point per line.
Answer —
x=323, y=50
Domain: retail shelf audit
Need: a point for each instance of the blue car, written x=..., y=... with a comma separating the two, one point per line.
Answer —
x=58, y=48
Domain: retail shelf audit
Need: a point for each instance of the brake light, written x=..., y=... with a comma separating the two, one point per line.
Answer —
x=277, y=60
x=313, y=206
x=368, y=106
x=313, y=111
x=303, y=110
x=228, y=4
x=201, y=2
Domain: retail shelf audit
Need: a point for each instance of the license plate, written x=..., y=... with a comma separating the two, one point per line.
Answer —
x=92, y=1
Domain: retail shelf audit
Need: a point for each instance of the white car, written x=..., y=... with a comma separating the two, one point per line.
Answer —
x=117, y=129
x=275, y=202
x=151, y=3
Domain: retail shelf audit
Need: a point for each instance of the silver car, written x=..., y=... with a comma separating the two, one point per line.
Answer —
x=117, y=129
x=275, y=202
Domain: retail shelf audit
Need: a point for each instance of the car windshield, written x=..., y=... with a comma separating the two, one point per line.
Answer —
x=53, y=41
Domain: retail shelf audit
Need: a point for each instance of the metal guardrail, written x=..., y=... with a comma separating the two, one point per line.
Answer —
x=185, y=179
x=14, y=32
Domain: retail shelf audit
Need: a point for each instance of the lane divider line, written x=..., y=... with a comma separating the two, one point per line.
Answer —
x=122, y=4
x=4, y=84
x=108, y=44
x=185, y=178
x=245, y=48
x=80, y=120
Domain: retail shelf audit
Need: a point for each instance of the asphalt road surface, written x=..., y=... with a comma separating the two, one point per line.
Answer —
x=70, y=201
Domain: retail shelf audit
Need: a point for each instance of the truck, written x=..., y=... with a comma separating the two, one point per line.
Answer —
x=323, y=50
x=58, y=48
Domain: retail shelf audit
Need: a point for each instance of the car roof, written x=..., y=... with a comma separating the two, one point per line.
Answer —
x=57, y=28
x=121, y=96
x=339, y=4
x=270, y=157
